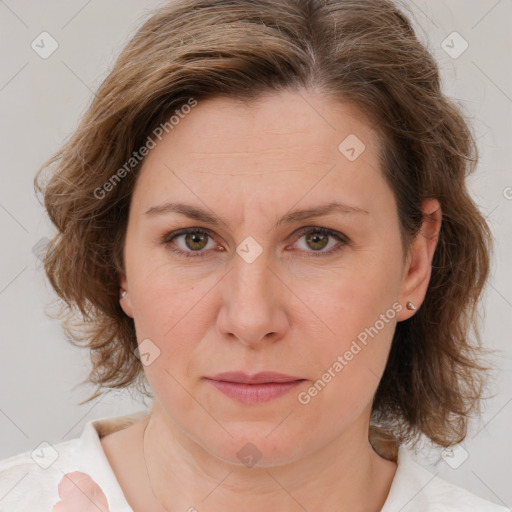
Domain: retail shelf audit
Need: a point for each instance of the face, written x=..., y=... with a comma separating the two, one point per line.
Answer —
x=256, y=289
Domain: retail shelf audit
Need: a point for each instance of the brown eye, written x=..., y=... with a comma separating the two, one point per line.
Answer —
x=196, y=241
x=189, y=242
x=317, y=241
x=193, y=242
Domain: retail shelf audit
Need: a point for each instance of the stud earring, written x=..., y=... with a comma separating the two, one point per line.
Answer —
x=410, y=306
x=122, y=294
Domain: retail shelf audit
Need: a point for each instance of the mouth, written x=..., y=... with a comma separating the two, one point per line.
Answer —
x=253, y=389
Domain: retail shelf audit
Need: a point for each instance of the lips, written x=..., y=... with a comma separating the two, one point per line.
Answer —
x=258, y=378
x=254, y=389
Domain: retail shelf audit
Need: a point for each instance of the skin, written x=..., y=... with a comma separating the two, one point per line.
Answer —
x=250, y=165
x=78, y=492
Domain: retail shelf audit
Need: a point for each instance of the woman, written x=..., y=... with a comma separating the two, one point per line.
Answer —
x=263, y=215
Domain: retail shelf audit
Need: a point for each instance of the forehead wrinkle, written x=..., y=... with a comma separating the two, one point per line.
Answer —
x=280, y=150
x=227, y=173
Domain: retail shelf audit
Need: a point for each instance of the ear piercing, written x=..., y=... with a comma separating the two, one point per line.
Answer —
x=122, y=294
x=410, y=306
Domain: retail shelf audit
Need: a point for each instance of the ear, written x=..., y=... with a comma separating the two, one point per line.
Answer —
x=125, y=301
x=418, y=264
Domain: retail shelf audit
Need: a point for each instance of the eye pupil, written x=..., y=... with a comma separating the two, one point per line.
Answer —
x=315, y=238
x=196, y=238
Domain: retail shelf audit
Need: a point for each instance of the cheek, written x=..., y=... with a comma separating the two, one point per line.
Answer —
x=169, y=310
x=171, y=314
x=161, y=291
x=359, y=311
x=355, y=295
x=172, y=307
x=348, y=367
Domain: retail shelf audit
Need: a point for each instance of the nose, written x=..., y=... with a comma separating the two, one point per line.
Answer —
x=253, y=310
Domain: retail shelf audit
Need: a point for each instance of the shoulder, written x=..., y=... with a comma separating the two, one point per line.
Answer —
x=415, y=488
x=35, y=481
x=456, y=498
x=29, y=480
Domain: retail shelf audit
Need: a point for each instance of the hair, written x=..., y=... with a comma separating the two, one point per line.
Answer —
x=363, y=52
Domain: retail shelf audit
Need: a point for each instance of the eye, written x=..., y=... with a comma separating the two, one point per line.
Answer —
x=193, y=241
x=317, y=238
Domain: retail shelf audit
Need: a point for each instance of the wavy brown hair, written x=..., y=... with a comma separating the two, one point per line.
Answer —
x=364, y=52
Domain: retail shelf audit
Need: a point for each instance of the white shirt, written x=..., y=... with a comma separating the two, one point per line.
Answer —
x=31, y=484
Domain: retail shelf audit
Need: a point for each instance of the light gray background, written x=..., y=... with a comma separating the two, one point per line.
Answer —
x=41, y=102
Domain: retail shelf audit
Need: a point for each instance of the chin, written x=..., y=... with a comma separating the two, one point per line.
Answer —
x=259, y=445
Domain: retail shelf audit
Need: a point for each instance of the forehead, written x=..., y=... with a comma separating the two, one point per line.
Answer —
x=281, y=147
x=271, y=124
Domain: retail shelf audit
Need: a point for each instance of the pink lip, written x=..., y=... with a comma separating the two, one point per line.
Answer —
x=252, y=389
x=258, y=378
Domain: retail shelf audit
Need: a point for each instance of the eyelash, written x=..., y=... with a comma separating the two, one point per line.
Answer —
x=305, y=231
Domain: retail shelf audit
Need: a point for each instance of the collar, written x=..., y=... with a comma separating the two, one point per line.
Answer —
x=410, y=479
x=93, y=461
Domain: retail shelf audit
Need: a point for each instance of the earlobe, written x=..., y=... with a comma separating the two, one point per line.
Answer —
x=124, y=297
x=418, y=267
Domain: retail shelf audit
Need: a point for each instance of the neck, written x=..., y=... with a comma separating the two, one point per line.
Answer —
x=346, y=474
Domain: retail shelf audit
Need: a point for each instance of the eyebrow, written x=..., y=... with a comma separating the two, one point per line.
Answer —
x=202, y=215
